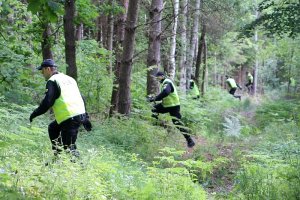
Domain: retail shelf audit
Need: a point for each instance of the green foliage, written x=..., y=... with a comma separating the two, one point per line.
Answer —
x=93, y=79
x=87, y=12
x=271, y=171
x=112, y=7
x=277, y=17
x=279, y=111
x=232, y=126
x=206, y=116
x=100, y=173
x=50, y=10
x=133, y=135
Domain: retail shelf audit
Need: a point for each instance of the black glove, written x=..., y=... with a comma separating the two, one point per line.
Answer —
x=151, y=99
x=87, y=125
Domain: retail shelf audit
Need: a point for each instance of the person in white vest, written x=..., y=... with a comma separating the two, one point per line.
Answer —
x=63, y=96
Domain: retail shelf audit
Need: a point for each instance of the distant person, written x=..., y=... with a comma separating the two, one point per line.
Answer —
x=249, y=83
x=194, y=91
x=170, y=104
x=232, y=86
x=292, y=83
x=63, y=96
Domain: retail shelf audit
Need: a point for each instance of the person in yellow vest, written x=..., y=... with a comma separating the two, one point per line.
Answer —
x=292, y=83
x=232, y=86
x=194, y=91
x=249, y=83
x=170, y=104
x=63, y=96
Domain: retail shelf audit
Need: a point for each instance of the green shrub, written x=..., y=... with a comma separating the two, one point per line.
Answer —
x=271, y=170
x=278, y=111
x=103, y=171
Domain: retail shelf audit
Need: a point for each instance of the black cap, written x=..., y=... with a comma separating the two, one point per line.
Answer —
x=46, y=63
x=159, y=74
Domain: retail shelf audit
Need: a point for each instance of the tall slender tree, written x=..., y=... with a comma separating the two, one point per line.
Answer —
x=124, y=97
x=193, y=40
x=69, y=32
x=120, y=30
x=46, y=42
x=172, y=66
x=153, y=59
x=183, y=47
x=110, y=34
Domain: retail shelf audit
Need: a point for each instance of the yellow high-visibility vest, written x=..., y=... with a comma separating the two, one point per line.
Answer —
x=172, y=99
x=194, y=92
x=70, y=102
x=231, y=82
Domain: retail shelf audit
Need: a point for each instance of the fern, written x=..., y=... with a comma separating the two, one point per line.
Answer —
x=232, y=126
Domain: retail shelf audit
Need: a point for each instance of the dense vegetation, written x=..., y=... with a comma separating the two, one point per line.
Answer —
x=248, y=149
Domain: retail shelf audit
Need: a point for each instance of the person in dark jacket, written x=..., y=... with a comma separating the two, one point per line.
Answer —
x=170, y=104
x=63, y=96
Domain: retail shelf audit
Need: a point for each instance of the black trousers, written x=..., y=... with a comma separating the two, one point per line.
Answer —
x=174, y=112
x=64, y=134
x=232, y=91
x=249, y=86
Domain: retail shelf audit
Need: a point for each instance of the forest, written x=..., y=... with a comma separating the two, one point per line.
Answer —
x=187, y=99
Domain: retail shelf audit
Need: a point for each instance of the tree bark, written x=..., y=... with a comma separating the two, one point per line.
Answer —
x=46, y=43
x=256, y=59
x=69, y=32
x=79, y=32
x=99, y=34
x=110, y=33
x=204, y=70
x=193, y=40
x=172, y=66
x=199, y=55
x=153, y=59
x=124, y=100
x=120, y=30
x=182, y=62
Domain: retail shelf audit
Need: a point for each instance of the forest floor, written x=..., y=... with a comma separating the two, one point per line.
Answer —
x=222, y=181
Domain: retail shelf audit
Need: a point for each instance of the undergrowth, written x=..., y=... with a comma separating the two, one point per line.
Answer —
x=102, y=172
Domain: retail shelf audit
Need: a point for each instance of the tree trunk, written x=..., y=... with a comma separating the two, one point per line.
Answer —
x=193, y=41
x=215, y=69
x=124, y=100
x=182, y=62
x=199, y=55
x=256, y=64
x=99, y=34
x=46, y=43
x=104, y=27
x=120, y=30
x=172, y=66
x=204, y=70
x=69, y=31
x=110, y=34
x=256, y=54
x=79, y=32
x=153, y=58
